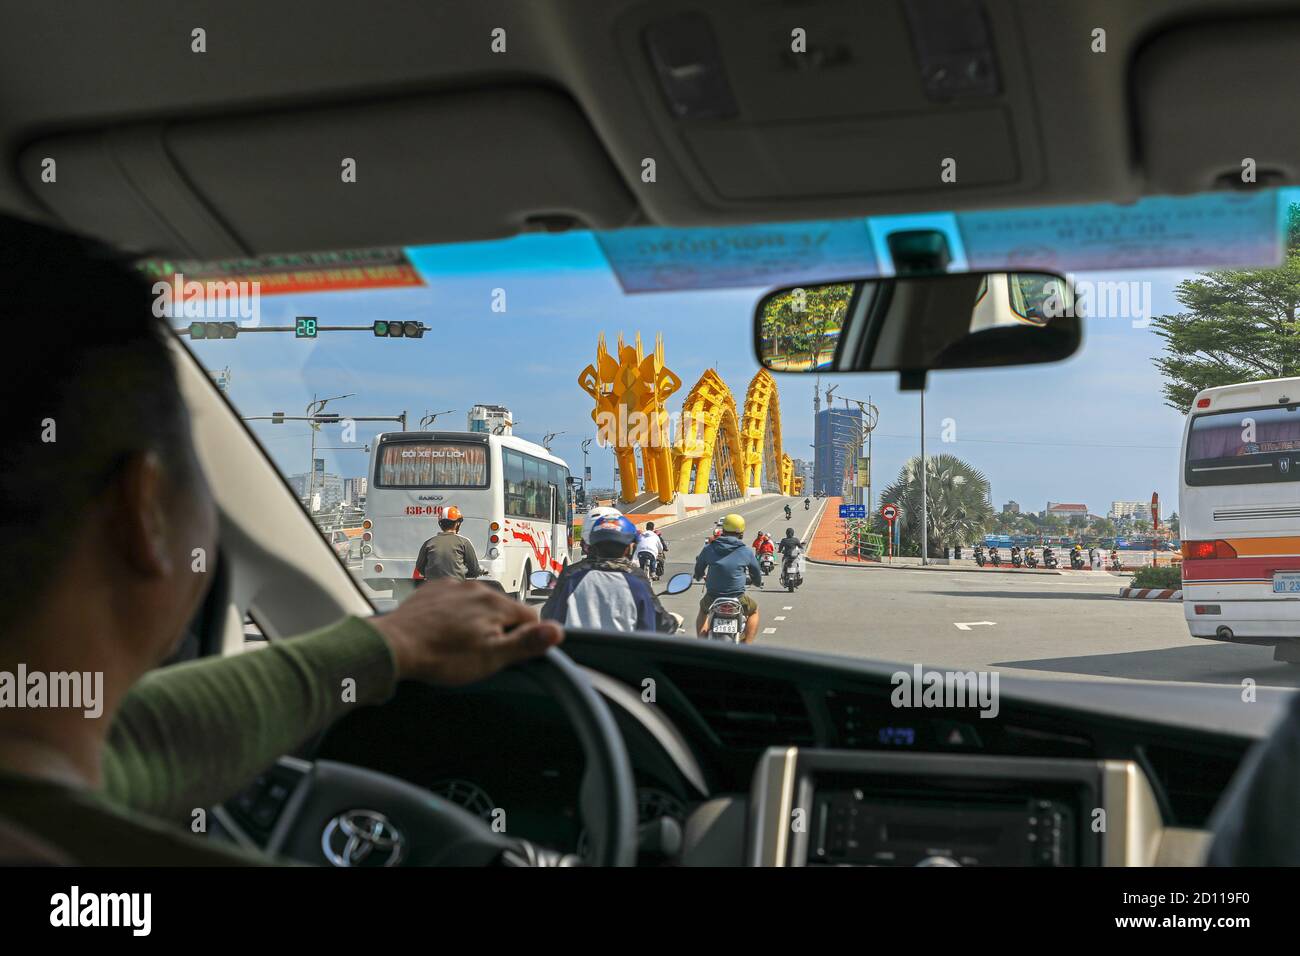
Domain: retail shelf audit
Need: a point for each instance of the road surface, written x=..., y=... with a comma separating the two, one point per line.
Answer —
x=1041, y=625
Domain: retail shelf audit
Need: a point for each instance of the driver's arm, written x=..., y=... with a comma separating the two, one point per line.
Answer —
x=191, y=735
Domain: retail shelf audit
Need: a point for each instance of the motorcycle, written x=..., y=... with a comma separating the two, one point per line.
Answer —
x=806, y=504
x=792, y=569
x=766, y=562
x=1015, y=557
x=1114, y=561
x=788, y=513
x=1031, y=559
x=994, y=558
x=725, y=621
x=1049, y=558
x=1076, y=558
x=979, y=555
x=659, y=567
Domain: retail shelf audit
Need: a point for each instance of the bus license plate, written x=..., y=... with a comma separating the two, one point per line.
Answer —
x=1286, y=582
x=726, y=627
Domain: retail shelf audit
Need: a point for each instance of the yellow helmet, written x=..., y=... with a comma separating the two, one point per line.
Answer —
x=733, y=522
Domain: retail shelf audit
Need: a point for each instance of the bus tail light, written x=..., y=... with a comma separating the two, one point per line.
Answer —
x=1202, y=403
x=379, y=567
x=1201, y=550
x=494, y=539
x=1206, y=609
x=494, y=526
x=365, y=536
x=367, y=524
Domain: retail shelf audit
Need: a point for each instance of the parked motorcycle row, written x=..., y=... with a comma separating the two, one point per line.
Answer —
x=1028, y=558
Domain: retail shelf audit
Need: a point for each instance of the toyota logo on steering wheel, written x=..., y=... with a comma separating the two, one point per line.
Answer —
x=362, y=838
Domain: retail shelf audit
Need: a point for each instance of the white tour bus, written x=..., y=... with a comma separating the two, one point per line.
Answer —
x=1239, y=508
x=513, y=495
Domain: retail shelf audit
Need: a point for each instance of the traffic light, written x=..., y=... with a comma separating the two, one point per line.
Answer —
x=397, y=330
x=213, y=330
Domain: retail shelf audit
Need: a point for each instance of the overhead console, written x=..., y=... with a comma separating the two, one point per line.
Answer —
x=871, y=103
x=849, y=808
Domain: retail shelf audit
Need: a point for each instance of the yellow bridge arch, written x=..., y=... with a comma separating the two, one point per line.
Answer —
x=716, y=448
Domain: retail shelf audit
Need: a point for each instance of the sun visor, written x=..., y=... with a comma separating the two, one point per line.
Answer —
x=452, y=167
x=1216, y=99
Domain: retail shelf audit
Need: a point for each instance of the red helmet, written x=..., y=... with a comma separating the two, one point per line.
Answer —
x=452, y=514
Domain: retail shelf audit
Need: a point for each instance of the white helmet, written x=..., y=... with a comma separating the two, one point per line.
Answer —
x=598, y=512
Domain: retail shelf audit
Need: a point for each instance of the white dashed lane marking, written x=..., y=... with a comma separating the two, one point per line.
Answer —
x=769, y=630
x=788, y=608
x=779, y=617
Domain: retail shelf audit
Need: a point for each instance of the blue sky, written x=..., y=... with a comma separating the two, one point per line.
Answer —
x=1091, y=429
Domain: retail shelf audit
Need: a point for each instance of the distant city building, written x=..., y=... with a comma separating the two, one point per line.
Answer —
x=354, y=490
x=803, y=468
x=1011, y=508
x=1065, y=510
x=326, y=489
x=492, y=419
x=1135, y=510
x=835, y=433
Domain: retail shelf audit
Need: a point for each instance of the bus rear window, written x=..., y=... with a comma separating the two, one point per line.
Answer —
x=432, y=465
x=1243, y=447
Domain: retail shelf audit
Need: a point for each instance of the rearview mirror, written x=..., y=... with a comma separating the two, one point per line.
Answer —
x=914, y=324
x=541, y=580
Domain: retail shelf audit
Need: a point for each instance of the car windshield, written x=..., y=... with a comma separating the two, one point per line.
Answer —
x=517, y=384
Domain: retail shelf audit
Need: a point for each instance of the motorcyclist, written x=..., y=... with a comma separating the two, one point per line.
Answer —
x=448, y=554
x=763, y=544
x=788, y=513
x=807, y=503
x=604, y=591
x=724, y=563
x=648, y=548
x=592, y=515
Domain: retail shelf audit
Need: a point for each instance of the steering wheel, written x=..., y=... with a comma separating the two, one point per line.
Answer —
x=343, y=815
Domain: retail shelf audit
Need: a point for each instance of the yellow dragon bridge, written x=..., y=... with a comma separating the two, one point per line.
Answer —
x=713, y=450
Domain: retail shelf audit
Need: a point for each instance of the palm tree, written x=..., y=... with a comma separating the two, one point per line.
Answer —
x=960, y=510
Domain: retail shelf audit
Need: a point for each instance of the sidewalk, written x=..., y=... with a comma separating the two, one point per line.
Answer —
x=827, y=544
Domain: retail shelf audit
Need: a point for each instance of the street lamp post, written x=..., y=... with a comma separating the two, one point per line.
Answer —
x=430, y=417
x=925, y=503
x=314, y=408
x=586, y=444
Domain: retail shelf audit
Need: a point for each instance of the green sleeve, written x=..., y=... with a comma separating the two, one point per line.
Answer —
x=193, y=734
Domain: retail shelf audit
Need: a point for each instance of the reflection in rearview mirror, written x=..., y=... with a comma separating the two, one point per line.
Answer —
x=919, y=323
x=679, y=583
x=541, y=580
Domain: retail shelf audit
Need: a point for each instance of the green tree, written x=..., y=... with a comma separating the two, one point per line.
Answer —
x=1238, y=325
x=960, y=511
x=798, y=325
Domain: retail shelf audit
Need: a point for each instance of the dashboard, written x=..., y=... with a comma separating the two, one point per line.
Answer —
x=774, y=758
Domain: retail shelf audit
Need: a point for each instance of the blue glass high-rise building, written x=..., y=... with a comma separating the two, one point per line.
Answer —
x=835, y=432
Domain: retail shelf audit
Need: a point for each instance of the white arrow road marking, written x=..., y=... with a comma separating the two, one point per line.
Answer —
x=969, y=624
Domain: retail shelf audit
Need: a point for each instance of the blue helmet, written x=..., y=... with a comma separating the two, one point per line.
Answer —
x=612, y=528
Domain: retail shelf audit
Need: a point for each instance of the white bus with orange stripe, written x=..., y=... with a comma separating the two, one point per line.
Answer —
x=513, y=495
x=1239, y=508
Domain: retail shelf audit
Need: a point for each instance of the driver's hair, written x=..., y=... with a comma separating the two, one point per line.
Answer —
x=89, y=384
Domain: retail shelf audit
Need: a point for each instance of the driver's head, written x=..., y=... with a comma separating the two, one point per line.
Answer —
x=789, y=532
x=107, y=519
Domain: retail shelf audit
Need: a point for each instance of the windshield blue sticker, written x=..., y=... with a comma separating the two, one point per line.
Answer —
x=1213, y=230
x=660, y=260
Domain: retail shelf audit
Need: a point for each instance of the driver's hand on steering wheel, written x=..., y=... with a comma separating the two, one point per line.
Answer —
x=456, y=632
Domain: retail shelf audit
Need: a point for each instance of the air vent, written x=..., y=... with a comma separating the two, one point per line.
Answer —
x=746, y=713
x=1257, y=512
x=1192, y=781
